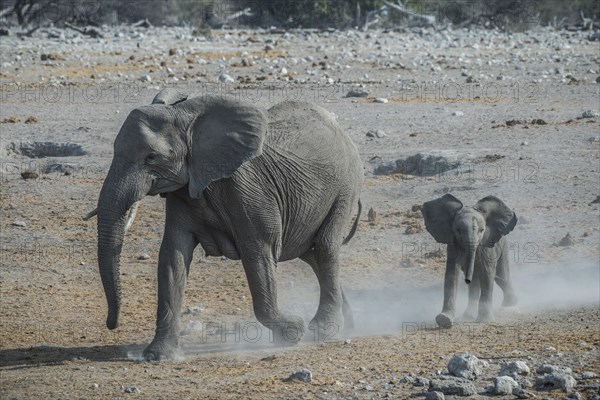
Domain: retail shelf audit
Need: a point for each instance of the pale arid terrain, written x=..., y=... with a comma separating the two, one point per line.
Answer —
x=508, y=108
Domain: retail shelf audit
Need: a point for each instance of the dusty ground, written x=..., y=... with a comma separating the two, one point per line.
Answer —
x=53, y=341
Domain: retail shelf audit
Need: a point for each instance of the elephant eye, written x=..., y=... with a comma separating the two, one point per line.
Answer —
x=151, y=157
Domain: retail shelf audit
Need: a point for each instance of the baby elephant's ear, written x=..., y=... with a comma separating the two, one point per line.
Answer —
x=500, y=219
x=169, y=97
x=439, y=216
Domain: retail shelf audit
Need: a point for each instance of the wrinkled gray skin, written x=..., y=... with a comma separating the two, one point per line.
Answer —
x=476, y=243
x=255, y=186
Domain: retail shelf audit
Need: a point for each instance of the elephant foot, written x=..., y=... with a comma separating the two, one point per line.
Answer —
x=509, y=302
x=328, y=327
x=288, y=331
x=444, y=320
x=485, y=317
x=469, y=316
x=162, y=352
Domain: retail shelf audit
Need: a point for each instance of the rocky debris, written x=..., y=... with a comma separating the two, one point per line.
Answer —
x=406, y=379
x=302, y=375
x=514, y=122
x=224, y=78
x=145, y=78
x=131, y=389
x=504, y=385
x=381, y=100
x=465, y=365
x=458, y=113
x=596, y=200
x=567, y=240
x=575, y=395
x=46, y=149
x=555, y=377
x=514, y=369
x=435, y=396
x=522, y=393
x=143, y=256
x=376, y=133
x=66, y=169
x=357, y=92
x=538, y=121
x=190, y=328
x=29, y=175
x=590, y=114
x=421, y=381
x=456, y=387
x=20, y=224
x=10, y=120
x=588, y=375
x=31, y=120
x=418, y=165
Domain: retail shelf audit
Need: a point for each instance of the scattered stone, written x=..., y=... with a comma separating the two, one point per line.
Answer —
x=526, y=383
x=421, y=381
x=590, y=114
x=194, y=310
x=465, y=365
x=435, y=396
x=46, y=149
x=20, y=224
x=588, y=375
x=514, y=369
x=357, y=93
x=31, y=120
x=94, y=386
x=381, y=100
x=504, y=385
x=514, y=122
x=190, y=328
x=458, y=113
x=226, y=78
x=548, y=369
x=406, y=379
x=523, y=394
x=131, y=389
x=456, y=387
x=302, y=375
x=67, y=169
x=145, y=78
x=11, y=120
x=143, y=256
x=566, y=241
x=29, y=175
x=559, y=379
x=596, y=201
x=574, y=395
x=538, y=121
x=415, y=208
x=172, y=52
x=371, y=215
x=378, y=134
x=419, y=165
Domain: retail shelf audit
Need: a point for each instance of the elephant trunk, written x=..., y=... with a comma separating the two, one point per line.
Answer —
x=115, y=199
x=470, y=263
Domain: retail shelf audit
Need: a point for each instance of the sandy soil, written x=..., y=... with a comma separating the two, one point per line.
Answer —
x=53, y=341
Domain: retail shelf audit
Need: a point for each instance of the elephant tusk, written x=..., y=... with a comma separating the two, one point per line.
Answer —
x=90, y=215
x=131, y=216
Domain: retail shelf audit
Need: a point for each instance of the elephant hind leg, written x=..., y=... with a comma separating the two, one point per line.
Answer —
x=310, y=259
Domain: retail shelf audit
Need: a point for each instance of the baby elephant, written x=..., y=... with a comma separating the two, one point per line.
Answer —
x=476, y=242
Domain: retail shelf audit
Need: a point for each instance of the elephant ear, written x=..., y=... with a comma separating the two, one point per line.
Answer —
x=439, y=215
x=224, y=135
x=169, y=96
x=499, y=219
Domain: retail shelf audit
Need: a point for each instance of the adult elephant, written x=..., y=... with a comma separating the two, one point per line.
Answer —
x=252, y=185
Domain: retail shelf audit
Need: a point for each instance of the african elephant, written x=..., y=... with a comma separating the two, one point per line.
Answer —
x=251, y=185
x=476, y=242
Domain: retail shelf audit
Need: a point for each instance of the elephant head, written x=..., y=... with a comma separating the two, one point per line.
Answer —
x=162, y=148
x=468, y=227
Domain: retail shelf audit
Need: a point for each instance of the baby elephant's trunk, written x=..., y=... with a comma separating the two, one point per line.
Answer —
x=470, y=263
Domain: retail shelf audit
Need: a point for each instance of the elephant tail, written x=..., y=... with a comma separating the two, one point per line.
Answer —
x=354, y=226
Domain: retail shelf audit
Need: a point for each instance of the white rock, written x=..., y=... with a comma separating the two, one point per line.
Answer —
x=226, y=78
x=145, y=78
x=381, y=100
x=458, y=113
x=465, y=365
x=590, y=114
x=504, y=385
x=19, y=224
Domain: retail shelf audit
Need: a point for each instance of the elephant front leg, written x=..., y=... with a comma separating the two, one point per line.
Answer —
x=474, y=292
x=174, y=260
x=486, y=279
x=445, y=318
x=260, y=271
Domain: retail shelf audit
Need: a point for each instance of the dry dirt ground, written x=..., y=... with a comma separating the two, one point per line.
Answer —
x=53, y=340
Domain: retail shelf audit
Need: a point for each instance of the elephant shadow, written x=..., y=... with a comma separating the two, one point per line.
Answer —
x=28, y=357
